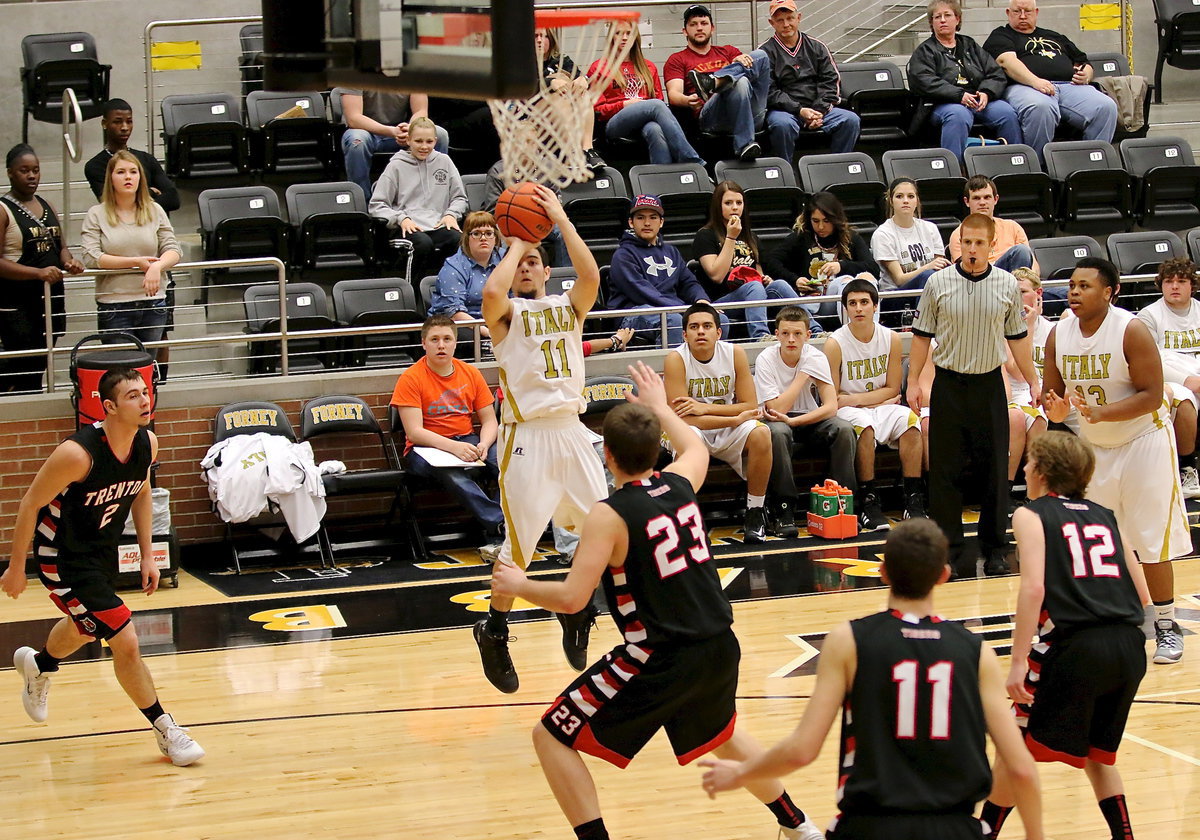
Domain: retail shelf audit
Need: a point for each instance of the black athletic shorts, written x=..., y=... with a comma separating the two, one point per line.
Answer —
x=614, y=707
x=84, y=588
x=1082, y=689
x=906, y=827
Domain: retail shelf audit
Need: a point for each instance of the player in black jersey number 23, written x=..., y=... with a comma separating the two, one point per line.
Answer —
x=677, y=666
x=917, y=695
x=73, y=514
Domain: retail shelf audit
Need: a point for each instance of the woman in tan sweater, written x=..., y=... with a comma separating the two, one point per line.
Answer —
x=127, y=229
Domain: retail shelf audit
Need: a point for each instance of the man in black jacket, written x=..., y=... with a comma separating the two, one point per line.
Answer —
x=805, y=87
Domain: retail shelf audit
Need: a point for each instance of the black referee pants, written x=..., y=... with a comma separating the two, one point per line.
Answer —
x=968, y=441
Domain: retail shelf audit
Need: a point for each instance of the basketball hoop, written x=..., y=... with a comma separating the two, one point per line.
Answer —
x=540, y=136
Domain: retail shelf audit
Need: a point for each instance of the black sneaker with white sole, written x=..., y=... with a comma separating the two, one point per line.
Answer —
x=704, y=83
x=914, y=506
x=871, y=517
x=755, y=528
x=781, y=520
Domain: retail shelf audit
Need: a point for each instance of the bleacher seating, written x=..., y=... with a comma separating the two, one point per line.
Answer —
x=331, y=226
x=307, y=309
x=291, y=144
x=54, y=62
x=875, y=91
x=250, y=62
x=599, y=209
x=1116, y=64
x=1095, y=192
x=1178, y=23
x=772, y=192
x=1026, y=192
x=1057, y=256
x=1166, y=182
x=1193, y=243
x=476, y=187
x=1142, y=251
x=378, y=302
x=204, y=135
x=237, y=223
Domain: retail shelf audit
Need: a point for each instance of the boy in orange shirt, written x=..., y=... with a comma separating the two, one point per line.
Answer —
x=440, y=399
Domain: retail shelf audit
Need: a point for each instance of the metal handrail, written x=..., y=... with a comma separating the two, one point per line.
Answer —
x=274, y=262
x=904, y=27
x=150, y=27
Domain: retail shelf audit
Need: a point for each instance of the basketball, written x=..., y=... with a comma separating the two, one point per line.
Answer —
x=519, y=214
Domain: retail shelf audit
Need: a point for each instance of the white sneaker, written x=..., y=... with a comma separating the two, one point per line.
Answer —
x=36, y=693
x=490, y=553
x=805, y=831
x=1189, y=479
x=175, y=743
x=1168, y=642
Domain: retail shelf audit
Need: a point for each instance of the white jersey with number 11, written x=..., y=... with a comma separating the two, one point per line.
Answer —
x=541, y=360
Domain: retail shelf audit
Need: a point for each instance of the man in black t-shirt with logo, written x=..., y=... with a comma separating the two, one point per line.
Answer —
x=1083, y=596
x=1049, y=79
x=677, y=665
x=917, y=694
x=73, y=514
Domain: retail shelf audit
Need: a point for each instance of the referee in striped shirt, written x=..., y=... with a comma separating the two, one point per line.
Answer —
x=972, y=308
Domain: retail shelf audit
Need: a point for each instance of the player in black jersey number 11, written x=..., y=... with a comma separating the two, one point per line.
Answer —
x=917, y=694
x=677, y=665
x=73, y=514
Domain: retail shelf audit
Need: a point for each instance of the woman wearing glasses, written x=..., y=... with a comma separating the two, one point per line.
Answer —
x=459, y=288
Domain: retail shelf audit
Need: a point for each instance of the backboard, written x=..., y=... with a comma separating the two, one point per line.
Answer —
x=469, y=49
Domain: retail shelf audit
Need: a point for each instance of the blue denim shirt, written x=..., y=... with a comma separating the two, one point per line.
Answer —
x=459, y=286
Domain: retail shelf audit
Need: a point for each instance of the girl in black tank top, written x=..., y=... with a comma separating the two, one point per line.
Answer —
x=43, y=260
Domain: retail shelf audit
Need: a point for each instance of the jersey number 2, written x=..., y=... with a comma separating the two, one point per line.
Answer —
x=108, y=514
x=666, y=527
x=940, y=676
x=1101, y=539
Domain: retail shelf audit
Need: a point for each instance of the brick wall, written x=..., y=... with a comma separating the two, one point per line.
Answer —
x=185, y=434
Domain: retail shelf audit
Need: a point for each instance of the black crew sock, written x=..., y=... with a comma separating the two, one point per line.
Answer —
x=497, y=622
x=994, y=815
x=912, y=485
x=786, y=812
x=1188, y=460
x=154, y=711
x=46, y=663
x=593, y=830
x=1116, y=814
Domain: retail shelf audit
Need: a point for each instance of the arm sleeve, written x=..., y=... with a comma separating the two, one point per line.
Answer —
x=380, y=206
x=766, y=387
x=998, y=42
x=449, y=292
x=927, y=312
x=705, y=243
x=493, y=185
x=90, y=236
x=94, y=171
x=407, y=392
x=781, y=260
x=829, y=81
x=1076, y=55
x=884, y=247
x=1014, y=321
x=166, y=234
x=674, y=67
x=994, y=80
x=168, y=196
x=482, y=393
x=458, y=206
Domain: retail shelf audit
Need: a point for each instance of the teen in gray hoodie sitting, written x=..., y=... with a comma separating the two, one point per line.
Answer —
x=421, y=195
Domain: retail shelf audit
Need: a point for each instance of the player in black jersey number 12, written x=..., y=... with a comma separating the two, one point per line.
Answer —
x=917, y=694
x=73, y=513
x=677, y=666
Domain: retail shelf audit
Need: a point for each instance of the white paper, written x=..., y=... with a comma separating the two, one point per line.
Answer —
x=439, y=458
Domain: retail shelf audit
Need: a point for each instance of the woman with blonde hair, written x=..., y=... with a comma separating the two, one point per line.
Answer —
x=128, y=230
x=632, y=105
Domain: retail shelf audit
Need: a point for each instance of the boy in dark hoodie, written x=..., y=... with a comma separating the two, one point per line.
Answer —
x=647, y=272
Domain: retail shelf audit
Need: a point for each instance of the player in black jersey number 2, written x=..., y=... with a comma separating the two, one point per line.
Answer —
x=917, y=694
x=677, y=667
x=74, y=513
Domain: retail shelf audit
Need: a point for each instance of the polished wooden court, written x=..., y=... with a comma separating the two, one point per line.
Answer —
x=398, y=735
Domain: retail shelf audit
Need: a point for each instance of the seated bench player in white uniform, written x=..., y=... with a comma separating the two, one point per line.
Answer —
x=865, y=360
x=1174, y=322
x=548, y=468
x=710, y=386
x=1104, y=362
x=799, y=399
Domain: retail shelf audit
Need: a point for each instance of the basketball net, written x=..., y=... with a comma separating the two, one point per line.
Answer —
x=541, y=137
